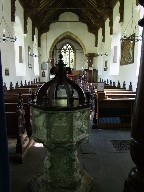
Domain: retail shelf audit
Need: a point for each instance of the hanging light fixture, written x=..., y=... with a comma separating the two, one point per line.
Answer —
x=7, y=35
x=31, y=53
x=34, y=55
x=133, y=27
x=101, y=51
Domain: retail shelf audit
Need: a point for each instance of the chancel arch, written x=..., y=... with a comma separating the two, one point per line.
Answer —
x=76, y=50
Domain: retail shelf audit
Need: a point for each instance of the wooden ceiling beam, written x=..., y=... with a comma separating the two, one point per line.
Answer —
x=111, y=23
x=13, y=9
x=25, y=22
x=100, y=9
x=121, y=10
x=91, y=12
x=103, y=32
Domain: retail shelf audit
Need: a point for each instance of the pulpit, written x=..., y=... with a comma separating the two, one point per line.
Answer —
x=60, y=120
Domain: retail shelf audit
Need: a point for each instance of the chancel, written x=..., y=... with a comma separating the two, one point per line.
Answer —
x=71, y=96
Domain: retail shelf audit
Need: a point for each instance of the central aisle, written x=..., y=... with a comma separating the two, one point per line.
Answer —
x=106, y=158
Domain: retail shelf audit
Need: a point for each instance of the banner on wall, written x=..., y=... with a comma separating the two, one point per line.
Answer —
x=127, y=51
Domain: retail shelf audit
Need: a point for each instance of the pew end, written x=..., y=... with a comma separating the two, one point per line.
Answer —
x=19, y=139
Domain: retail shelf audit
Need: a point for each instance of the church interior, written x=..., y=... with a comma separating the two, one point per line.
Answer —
x=71, y=116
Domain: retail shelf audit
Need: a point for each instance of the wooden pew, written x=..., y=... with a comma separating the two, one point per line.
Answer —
x=118, y=91
x=18, y=125
x=113, y=109
x=110, y=86
x=114, y=113
x=121, y=90
x=119, y=94
x=13, y=98
x=37, y=85
x=23, y=90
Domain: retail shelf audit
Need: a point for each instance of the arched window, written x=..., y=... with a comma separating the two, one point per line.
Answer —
x=68, y=55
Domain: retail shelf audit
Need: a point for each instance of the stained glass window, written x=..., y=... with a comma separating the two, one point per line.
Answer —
x=68, y=55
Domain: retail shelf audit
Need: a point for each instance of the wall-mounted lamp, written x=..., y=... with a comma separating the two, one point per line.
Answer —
x=29, y=58
x=33, y=54
x=101, y=50
x=106, y=67
x=101, y=54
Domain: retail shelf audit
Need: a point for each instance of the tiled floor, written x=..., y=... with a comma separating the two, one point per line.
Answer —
x=108, y=167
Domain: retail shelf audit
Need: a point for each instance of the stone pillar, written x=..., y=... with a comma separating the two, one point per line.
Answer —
x=135, y=180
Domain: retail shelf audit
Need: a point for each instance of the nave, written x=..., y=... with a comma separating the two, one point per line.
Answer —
x=108, y=165
x=35, y=48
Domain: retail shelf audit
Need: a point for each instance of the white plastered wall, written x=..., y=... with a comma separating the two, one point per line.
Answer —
x=78, y=29
x=18, y=71
x=128, y=72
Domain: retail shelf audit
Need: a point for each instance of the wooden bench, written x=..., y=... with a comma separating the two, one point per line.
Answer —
x=118, y=95
x=118, y=91
x=18, y=126
x=113, y=108
x=37, y=85
x=13, y=98
x=106, y=86
x=114, y=113
x=114, y=94
x=23, y=90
